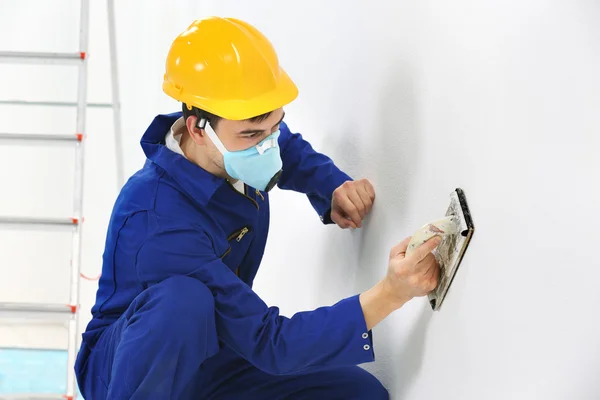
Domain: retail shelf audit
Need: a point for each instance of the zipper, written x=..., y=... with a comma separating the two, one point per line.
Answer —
x=227, y=252
x=239, y=234
x=242, y=233
x=244, y=194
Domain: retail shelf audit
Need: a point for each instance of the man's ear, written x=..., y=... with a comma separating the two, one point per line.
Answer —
x=196, y=133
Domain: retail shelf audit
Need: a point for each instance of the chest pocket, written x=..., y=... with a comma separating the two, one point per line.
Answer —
x=239, y=243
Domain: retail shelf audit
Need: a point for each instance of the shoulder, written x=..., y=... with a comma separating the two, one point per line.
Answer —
x=152, y=189
x=151, y=205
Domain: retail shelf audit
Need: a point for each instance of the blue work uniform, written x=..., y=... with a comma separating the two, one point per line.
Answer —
x=175, y=314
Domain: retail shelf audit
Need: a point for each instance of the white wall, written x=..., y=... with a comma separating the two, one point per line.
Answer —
x=38, y=180
x=497, y=97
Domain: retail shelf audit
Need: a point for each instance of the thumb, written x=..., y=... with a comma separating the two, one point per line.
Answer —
x=401, y=247
x=339, y=218
x=423, y=250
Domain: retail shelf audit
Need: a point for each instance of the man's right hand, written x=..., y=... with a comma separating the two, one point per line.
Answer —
x=407, y=277
x=414, y=275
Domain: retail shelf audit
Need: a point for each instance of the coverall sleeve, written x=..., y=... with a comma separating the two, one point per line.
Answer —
x=308, y=171
x=328, y=336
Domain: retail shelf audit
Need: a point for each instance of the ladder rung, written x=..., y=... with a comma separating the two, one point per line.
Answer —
x=53, y=103
x=32, y=396
x=20, y=57
x=36, y=308
x=37, y=137
x=23, y=313
x=38, y=221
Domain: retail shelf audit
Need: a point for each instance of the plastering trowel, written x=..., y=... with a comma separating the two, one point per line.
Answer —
x=456, y=230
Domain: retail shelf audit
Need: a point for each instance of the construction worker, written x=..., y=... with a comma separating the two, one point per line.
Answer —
x=175, y=314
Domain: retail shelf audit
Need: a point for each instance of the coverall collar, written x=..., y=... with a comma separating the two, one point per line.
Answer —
x=195, y=181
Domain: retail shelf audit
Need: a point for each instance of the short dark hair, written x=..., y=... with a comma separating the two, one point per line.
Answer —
x=214, y=119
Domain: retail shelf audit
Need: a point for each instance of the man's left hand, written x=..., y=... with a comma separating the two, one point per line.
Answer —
x=351, y=202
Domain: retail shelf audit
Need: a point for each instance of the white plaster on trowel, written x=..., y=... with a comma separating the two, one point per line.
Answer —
x=442, y=227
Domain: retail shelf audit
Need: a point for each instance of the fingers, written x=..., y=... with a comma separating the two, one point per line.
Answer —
x=341, y=220
x=425, y=275
x=433, y=277
x=400, y=248
x=366, y=192
x=426, y=248
x=369, y=190
x=354, y=200
x=420, y=271
x=427, y=265
x=347, y=206
x=366, y=198
x=359, y=206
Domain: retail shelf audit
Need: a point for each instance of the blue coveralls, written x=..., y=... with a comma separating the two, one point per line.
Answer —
x=175, y=314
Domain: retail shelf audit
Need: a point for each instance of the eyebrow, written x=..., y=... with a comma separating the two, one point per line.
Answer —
x=250, y=131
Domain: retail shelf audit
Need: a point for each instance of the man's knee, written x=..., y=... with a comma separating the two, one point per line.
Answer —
x=340, y=383
x=372, y=389
x=180, y=303
x=363, y=385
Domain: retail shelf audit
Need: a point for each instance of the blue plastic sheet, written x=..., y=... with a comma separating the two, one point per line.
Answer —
x=32, y=371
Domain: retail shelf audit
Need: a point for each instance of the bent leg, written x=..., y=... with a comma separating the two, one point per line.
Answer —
x=154, y=351
x=347, y=383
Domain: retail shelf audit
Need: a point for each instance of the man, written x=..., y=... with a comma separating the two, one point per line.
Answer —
x=175, y=315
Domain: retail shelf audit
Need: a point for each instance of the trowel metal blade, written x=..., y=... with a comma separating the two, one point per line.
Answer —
x=451, y=250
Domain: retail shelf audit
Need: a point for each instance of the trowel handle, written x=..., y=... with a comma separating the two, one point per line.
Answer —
x=441, y=227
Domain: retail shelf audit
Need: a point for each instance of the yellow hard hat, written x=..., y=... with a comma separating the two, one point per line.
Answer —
x=226, y=67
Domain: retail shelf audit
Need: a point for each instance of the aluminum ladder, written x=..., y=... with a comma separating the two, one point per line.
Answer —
x=65, y=312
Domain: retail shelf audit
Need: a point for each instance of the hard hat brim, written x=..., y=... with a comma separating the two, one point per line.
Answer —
x=239, y=109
